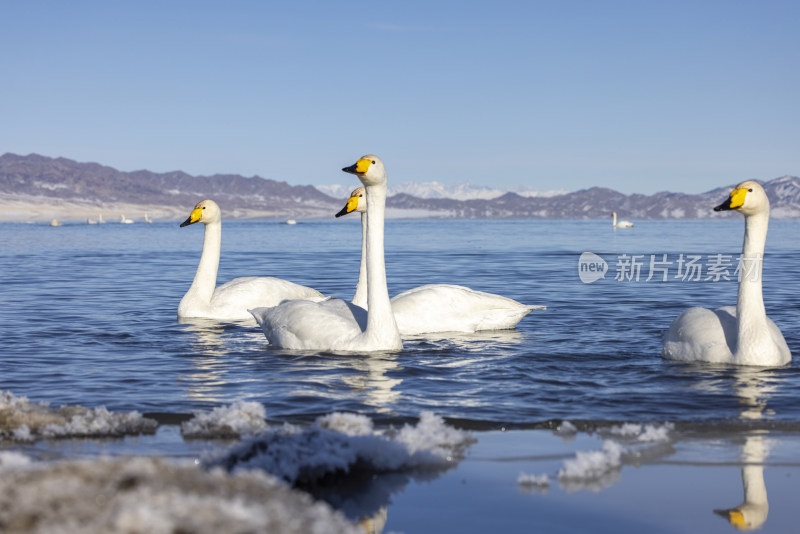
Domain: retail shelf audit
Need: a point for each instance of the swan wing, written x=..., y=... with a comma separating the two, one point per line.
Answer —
x=306, y=325
x=231, y=300
x=780, y=343
x=451, y=308
x=703, y=335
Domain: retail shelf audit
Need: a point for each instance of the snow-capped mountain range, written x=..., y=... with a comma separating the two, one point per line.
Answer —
x=36, y=186
x=456, y=191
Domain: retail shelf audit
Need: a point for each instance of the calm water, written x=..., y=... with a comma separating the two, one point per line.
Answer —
x=88, y=317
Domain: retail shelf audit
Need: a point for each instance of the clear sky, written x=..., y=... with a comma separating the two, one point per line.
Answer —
x=640, y=96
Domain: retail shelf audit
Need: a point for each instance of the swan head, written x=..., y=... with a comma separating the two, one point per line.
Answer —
x=369, y=170
x=356, y=202
x=745, y=517
x=748, y=198
x=205, y=211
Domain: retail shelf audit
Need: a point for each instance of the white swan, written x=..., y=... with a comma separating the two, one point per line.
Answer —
x=335, y=324
x=231, y=300
x=620, y=224
x=147, y=218
x=741, y=334
x=437, y=307
x=125, y=220
x=100, y=219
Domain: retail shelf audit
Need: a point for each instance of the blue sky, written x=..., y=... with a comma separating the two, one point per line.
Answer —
x=637, y=96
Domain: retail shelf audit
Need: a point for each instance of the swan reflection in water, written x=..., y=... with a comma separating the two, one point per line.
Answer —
x=206, y=380
x=480, y=343
x=753, y=386
x=380, y=389
x=372, y=379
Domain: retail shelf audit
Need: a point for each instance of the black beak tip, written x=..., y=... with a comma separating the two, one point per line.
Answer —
x=343, y=211
x=725, y=206
x=351, y=169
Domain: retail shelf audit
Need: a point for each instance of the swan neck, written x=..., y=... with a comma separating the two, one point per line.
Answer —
x=380, y=319
x=755, y=488
x=205, y=279
x=750, y=312
x=360, y=296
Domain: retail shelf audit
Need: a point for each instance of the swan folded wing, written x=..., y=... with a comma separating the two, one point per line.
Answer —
x=775, y=352
x=241, y=294
x=452, y=308
x=306, y=325
x=700, y=334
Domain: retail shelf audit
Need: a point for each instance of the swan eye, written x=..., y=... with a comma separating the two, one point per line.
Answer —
x=373, y=162
x=750, y=190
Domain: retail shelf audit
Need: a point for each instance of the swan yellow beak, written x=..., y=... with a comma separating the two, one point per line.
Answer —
x=350, y=207
x=734, y=201
x=360, y=167
x=193, y=217
x=734, y=516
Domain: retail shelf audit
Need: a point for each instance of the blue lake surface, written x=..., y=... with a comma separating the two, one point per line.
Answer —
x=88, y=317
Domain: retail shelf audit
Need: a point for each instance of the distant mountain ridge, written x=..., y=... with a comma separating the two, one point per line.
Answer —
x=65, y=179
x=457, y=191
x=53, y=181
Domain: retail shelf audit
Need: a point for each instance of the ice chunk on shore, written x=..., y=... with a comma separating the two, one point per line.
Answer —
x=342, y=443
x=646, y=433
x=11, y=459
x=590, y=465
x=526, y=480
x=150, y=495
x=566, y=427
x=232, y=421
x=22, y=420
x=347, y=423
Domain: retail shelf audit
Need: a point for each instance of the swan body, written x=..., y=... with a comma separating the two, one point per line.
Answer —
x=451, y=308
x=620, y=224
x=125, y=220
x=230, y=301
x=438, y=307
x=741, y=334
x=335, y=325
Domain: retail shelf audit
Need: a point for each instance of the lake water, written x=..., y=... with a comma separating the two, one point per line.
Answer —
x=88, y=318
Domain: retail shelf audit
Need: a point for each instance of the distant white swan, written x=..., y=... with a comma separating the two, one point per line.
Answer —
x=100, y=219
x=125, y=220
x=334, y=324
x=620, y=224
x=147, y=218
x=741, y=334
x=231, y=300
x=89, y=220
x=437, y=307
x=55, y=222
